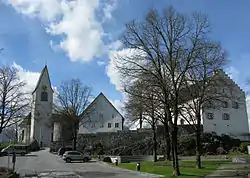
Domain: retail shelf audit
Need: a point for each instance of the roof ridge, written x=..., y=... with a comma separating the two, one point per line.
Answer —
x=228, y=77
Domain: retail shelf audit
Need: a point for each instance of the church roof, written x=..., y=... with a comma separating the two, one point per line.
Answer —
x=45, y=69
x=101, y=94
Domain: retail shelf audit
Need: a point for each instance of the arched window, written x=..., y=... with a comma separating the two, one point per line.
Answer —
x=44, y=96
x=182, y=121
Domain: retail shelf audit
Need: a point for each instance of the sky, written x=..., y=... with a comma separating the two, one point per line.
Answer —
x=79, y=38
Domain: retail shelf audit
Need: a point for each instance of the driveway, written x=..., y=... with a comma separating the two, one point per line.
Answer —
x=45, y=164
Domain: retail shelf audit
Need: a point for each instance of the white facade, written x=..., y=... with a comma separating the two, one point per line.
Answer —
x=230, y=118
x=103, y=117
x=41, y=110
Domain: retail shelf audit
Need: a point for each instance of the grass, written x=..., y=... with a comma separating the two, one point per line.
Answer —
x=187, y=168
x=238, y=154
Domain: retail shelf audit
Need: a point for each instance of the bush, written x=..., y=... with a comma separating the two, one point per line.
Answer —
x=107, y=160
x=187, y=145
x=243, y=147
x=3, y=145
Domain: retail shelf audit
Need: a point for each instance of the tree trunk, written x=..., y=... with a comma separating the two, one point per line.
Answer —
x=140, y=119
x=16, y=133
x=167, y=142
x=154, y=142
x=75, y=136
x=176, y=170
x=74, y=143
x=198, y=142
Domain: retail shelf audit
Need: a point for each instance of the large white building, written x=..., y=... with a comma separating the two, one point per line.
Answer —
x=102, y=117
x=229, y=117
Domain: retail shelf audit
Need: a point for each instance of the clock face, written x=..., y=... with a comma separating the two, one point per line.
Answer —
x=44, y=87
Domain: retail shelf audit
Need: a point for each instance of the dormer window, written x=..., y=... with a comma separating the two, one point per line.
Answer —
x=44, y=96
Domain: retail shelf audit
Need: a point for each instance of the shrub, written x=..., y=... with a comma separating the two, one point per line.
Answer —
x=243, y=147
x=3, y=145
x=107, y=160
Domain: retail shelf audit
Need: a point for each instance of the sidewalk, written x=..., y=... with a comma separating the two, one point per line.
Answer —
x=231, y=170
x=139, y=173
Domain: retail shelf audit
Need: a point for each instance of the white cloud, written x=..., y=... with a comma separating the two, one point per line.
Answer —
x=116, y=58
x=100, y=63
x=115, y=45
x=75, y=21
x=118, y=104
x=108, y=9
x=30, y=78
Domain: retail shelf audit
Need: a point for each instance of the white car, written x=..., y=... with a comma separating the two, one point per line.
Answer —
x=69, y=156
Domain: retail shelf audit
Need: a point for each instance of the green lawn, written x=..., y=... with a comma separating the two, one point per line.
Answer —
x=187, y=168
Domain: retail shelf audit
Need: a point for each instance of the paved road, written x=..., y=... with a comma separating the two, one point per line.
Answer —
x=45, y=164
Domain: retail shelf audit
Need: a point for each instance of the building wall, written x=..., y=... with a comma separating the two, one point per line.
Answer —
x=236, y=125
x=57, y=131
x=102, y=113
x=41, y=125
x=238, y=119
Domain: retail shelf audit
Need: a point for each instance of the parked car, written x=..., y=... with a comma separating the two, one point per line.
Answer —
x=62, y=150
x=18, y=149
x=69, y=156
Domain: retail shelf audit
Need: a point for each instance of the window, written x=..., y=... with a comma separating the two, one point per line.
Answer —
x=210, y=116
x=74, y=153
x=225, y=116
x=182, y=121
x=113, y=116
x=225, y=104
x=101, y=115
x=101, y=126
x=116, y=125
x=93, y=126
x=235, y=105
x=210, y=104
x=22, y=134
x=44, y=96
x=109, y=125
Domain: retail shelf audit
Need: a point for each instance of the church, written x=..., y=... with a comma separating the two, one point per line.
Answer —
x=37, y=125
x=45, y=126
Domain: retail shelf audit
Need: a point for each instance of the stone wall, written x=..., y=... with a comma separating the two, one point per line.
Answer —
x=138, y=141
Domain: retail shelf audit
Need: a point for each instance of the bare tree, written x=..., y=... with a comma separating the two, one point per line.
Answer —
x=202, y=85
x=134, y=105
x=143, y=103
x=13, y=101
x=164, y=47
x=73, y=99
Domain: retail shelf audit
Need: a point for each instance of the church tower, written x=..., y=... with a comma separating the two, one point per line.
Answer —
x=41, y=110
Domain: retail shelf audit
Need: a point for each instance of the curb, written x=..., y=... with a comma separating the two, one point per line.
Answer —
x=143, y=173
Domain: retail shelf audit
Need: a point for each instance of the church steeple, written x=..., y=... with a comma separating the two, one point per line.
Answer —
x=43, y=76
x=41, y=109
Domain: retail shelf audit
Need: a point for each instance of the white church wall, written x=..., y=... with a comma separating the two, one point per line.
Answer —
x=41, y=111
x=103, y=118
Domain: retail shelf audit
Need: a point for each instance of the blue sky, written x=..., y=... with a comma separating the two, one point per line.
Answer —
x=26, y=40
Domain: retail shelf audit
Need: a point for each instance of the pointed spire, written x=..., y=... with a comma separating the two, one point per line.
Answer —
x=45, y=69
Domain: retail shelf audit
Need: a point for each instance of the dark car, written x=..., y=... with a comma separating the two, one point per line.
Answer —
x=62, y=150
